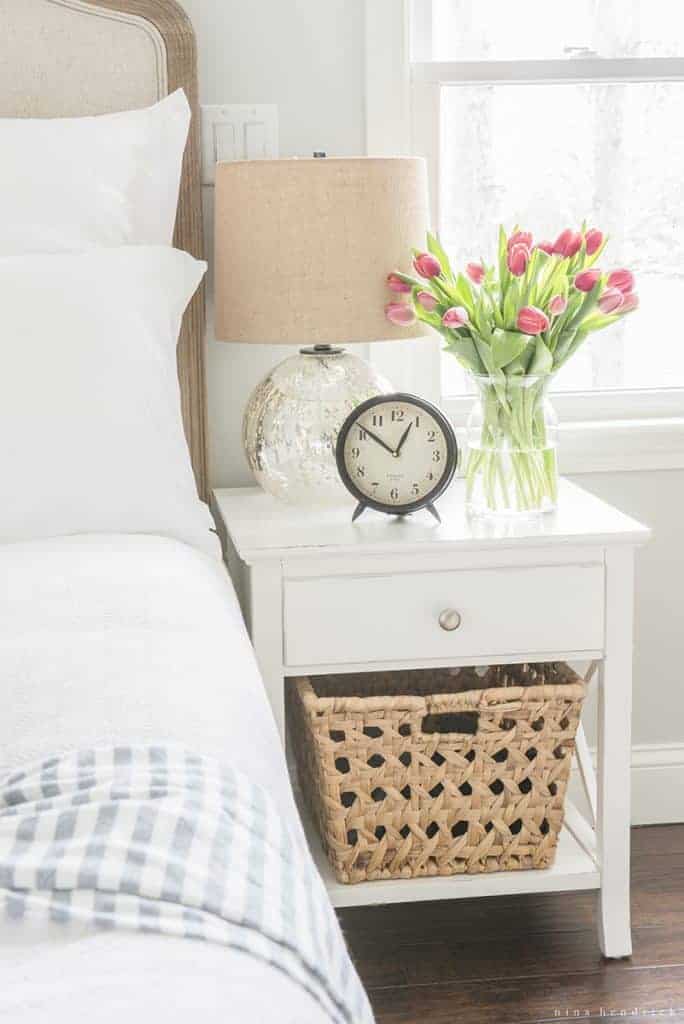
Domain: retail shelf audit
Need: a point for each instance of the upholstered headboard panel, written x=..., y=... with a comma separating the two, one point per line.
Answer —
x=68, y=58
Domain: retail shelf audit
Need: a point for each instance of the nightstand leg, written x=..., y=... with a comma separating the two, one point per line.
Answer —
x=266, y=630
x=614, y=757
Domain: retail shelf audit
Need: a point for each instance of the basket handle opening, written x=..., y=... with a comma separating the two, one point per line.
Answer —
x=466, y=722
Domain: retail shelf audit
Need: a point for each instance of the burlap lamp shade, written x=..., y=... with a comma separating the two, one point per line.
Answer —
x=303, y=247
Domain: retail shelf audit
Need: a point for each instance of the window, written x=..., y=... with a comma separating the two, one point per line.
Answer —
x=542, y=116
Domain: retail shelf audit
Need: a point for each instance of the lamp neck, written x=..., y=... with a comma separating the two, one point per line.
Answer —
x=322, y=350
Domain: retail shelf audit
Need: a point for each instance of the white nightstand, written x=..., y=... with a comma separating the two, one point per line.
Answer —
x=559, y=589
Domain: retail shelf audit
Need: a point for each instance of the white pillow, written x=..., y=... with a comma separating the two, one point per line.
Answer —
x=91, y=435
x=71, y=183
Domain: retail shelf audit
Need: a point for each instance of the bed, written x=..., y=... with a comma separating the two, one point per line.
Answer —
x=130, y=640
x=121, y=649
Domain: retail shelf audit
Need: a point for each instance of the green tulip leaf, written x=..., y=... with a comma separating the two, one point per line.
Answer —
x=463, y=293
x=565, y=343
x=534, y=277
x=598, y=321
x=483, y=352
x=507, y=346
x=465, y=351
x=503, y=259
x=522, y=363
x=586, y=305
x=511, y=304
x=442, y=291
x=435, y=247
x=432, y=319
x=542, y=361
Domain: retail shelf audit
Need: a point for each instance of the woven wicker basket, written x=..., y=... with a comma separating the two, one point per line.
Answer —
x=440, y=772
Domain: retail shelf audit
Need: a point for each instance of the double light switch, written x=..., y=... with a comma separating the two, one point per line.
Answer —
x=237, y=132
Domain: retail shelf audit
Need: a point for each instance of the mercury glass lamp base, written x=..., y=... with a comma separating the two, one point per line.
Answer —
x=293, y=418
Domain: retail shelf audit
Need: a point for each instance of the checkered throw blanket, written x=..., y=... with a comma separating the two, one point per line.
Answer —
x=156, y=839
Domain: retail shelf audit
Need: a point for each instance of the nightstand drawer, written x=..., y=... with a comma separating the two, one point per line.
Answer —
x=417, y=616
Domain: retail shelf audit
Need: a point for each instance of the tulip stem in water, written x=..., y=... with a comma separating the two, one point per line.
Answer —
x=511, y=466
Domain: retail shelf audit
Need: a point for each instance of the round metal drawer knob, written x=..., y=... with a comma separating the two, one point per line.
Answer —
x=450, y=620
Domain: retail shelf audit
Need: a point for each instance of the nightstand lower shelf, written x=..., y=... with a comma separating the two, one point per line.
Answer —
x=574, y=869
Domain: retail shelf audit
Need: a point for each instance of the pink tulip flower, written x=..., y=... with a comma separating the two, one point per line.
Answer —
x=531, y=320
x=586, y=279
x=622, y=280
x=593, y=240
x=611, y=300
x=395, y=283
x=568, y=243
x=518, y=258
x=558, y=305
x=400, y=314
x=476, y=272
x=561, y=243
x=427, y=300
x=630, y=302
x=427, y=265
x=574, y=246
x=520, y=238
x=455, y=317
x=546, y=247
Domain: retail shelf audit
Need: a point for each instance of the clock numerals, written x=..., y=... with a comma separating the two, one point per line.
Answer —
x=431, y=436
x=377, y=420
x=394, y=494
x=356, y=452
x=415, y=490
x=436, y=455
x=398, y=415
x=363, y=436
x=361, y=471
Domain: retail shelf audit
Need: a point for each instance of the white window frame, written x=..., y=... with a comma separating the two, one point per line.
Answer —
x=601, y=431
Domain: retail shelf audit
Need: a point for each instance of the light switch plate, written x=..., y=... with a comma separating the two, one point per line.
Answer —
x=237, y=131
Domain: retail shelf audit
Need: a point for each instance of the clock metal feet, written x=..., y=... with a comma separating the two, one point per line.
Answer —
x=361, y=508
x=433, y=512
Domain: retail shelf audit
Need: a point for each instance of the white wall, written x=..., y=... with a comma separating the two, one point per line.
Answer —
x=656, y=498
x=307, y=57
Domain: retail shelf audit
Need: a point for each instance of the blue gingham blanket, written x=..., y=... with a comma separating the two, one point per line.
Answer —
x=157, y=839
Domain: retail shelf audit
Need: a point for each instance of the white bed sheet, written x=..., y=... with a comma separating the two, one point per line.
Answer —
x=131, y=639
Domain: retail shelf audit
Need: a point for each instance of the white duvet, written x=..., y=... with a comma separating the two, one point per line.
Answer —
x=131, y=639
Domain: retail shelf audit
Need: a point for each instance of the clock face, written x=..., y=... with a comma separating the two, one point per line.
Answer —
x=396, y=453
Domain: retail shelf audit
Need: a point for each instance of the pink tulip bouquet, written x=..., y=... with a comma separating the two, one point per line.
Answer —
x=512, y=326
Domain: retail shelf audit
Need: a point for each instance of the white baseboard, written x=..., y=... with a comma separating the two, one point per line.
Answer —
x=657, y=784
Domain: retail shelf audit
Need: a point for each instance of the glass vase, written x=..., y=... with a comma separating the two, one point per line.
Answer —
x=511, y=467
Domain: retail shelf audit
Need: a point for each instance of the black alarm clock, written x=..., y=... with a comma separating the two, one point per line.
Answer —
x=396, y=454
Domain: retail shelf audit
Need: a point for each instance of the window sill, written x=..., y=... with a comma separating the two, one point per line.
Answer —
x=615, y=446
x=610, y=446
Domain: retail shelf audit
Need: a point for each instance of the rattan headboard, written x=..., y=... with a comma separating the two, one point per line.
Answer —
x=61, y=58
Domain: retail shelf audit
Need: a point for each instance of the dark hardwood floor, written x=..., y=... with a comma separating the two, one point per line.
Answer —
x=529, y=958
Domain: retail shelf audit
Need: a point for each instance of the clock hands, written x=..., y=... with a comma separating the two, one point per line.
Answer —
x=403, y=438
x=378, y=440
